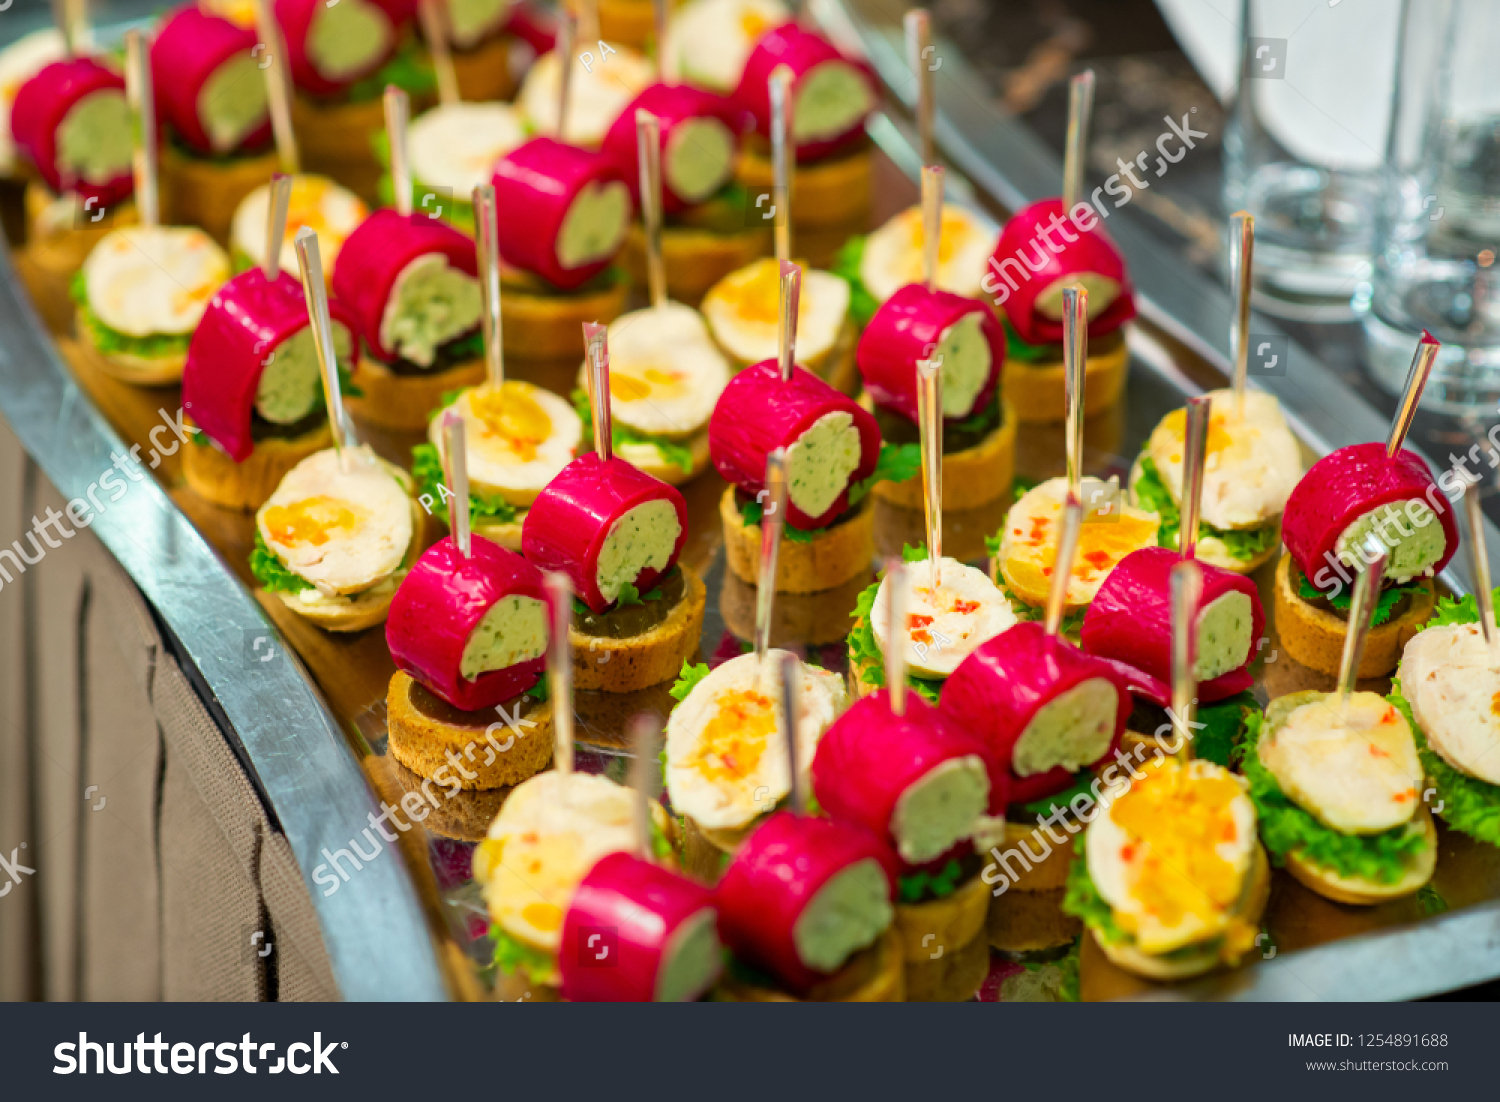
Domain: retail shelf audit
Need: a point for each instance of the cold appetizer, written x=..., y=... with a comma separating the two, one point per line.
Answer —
x=600, y=86
x=891, y=258
x=329, y=210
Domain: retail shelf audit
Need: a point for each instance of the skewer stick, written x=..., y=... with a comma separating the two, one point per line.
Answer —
x=567, y=33
x=278, y=88
x=930, y=428
x=660, y=16
x=895, y=618
x=588, y=20
x=1187, y=587
x=143, y=107
x=791, y=302
x=435, y=30
x=648, y=149
x=560, y=669
x=315, y=292
x=397, y=116
x=645, y=744
x=596, y=342
x=1062, y=564
x=1416, y=379
x=783, y=158
x=1362, y=602
x=918, y=39
x=487, y=242
x=277, y=201
x=1194, y=457
x=66, y=14
x=790, y=670
x=1075, y=355
x=456, y=475
x=1080, y=110
x=1479, y=559
x=932, y=223
x=772, y=523
x=1241, y=264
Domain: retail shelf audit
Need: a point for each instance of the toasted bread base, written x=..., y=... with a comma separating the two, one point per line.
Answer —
x=830, y=559
x=1315, y=637
x=875, y=975
x=136, y=370
x=206, y=193
x=215, y=477
x=1036, y=390
x=335, y=142
x=1049, y=859
x=973, y=477
x=422, y=743
x=947, y=924
x=695, y=259
x=1028, y=922
x=405, y=402
x=484, y=70
x=540, y=326
x=807, y=619
x=831, y=191
x=1359, y=891
x=1131, y=959
x=507, y=536
x=954, y=977
x=625, y=665
x=648, y=459
x=465, y=815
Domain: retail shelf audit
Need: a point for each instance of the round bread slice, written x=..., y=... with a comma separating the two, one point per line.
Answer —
x=1029, y=922
x=647, y=458
x=404, y=402
x=1359, y=890
x=831, y=191
x=483, y=71
x=1315, y=636
x=335, y=141
x=1036, y=389
x=206, y=193
x=828, y=560
x=874, y=975
x=973, y=477
x=136, y=370
x=943, y=926
x=423, y=730
x=655, y=656
x=215, y=477
x=537, y=324
x=953, y=977
x=1207, y=958
x=465, y=814
x=695, y=258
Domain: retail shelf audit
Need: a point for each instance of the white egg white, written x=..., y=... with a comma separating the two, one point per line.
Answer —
x=343, y=527
x=1454, y=691
x=1252, y=464
x=601, y=87
x=743, y=311
x=708, y=41
x=456, y=145
x=893, y=253
x=724, y=773
x=153, y=280
x=943, y=626
x=665, y=372
x=330, y=211
x=515, y=445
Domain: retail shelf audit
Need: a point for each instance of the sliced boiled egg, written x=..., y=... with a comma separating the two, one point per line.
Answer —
x=1171, y=852
x=1454, y=691
x=601, y=85
x=893, y=253
x=153, y=280
x=726, y=750
x=1355, y=770
x=943, y=625
x=665, y=372
x=342, y=526
x=456, y=145
x=1252, y=463
x=550, y=832
x=1028, y=544
x=518, y=439
x=709, y=41
x=330, y=211
x=744, y=308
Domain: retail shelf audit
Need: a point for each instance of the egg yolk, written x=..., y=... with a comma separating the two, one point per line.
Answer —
x=313, y=520
x=512, y=416
x=735, y=739
x=753, y=25
x=542, y=916
x=951, y=236
x=1177, y=822
x=631, y=384
x=1100, y=547
x=1222, y=440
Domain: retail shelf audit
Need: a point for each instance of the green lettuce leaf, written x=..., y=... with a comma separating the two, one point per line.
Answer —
x=1470, y=805
x=846, y=262
x=897, y=463
x=427, y=473
x=513, y=955
x=1227, y=724
x=1389, y=597
x=1018, y=349
x=687, y=680
x=113, y=342
x=1057, y=802
x=671, y=451
x=1072, y=622
x=921, y=885
x=1463, y=610
x=1285, y=826
x=1153, y=494
x=407, y=69
x=753, y=511
x=272, y=573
